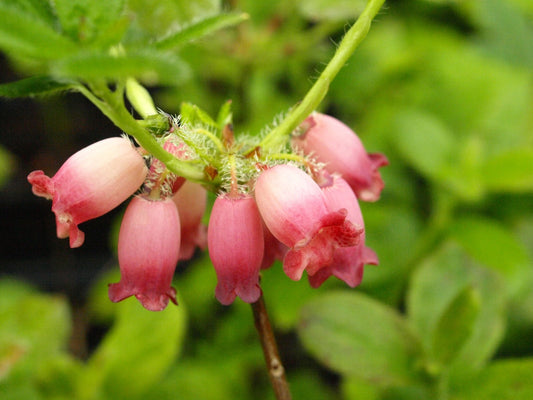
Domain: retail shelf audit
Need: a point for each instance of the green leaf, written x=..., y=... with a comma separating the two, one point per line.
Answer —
x=34, y=86
x=335, y=10
x=39, y=9
x=192, y=114
x=455, y=325
x=135, y=353
x=83, y=20
x=146, y=65
x=357, y=336
x=502, y=380
x=159, y=17
x=225, y=115
x=199, y=29
x=434, y=286
x=425, y=142
x=7, y=164
x=511, y=171
x=34, y=327
x=496, y=247
x=21, y=34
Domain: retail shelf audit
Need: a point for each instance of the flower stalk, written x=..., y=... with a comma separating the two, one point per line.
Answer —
x=276, y=371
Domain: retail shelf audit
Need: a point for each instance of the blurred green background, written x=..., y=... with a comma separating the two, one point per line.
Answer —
x=443, y=88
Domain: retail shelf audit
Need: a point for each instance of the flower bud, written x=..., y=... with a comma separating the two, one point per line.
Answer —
x=294, y=210
x=235, y=242
x=148, y=250
x=333, y=143
x=90, y=183
x=348, y=262
x=191, y=200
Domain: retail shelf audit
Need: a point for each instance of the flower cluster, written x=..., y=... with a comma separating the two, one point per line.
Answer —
x=300, y=207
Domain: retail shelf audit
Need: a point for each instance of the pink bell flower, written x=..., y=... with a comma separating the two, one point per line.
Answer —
x=348, y=262
x=333, y=143
x=295, y=211
x=90, y=183
x=191, y=200
x=148, y=250
x=274, y=249
x=235, y=242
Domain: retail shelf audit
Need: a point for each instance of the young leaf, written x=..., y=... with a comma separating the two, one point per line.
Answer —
x=225, y=115
x=34, y=86
x=357, y=336
x=199, y=29
x=142, y=64
x=23, y=35
x=193, y=114
x=455, y=325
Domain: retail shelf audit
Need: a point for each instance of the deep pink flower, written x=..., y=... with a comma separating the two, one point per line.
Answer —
x=235, y=242
x=191, y=200
x=148, y=250
x=333, y=143
x=294, y=210
x=274, y=249
x=348, y=262
x=90, y=183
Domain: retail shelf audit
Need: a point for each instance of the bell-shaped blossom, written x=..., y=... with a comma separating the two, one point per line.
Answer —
x=274, y=249
x=148, y=250
x=235, y=242
x=333, y=143
x=295, y=211
x=191, y=200
x=348, y=262
x=90, y=183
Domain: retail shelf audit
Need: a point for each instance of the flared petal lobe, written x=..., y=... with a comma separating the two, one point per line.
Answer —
x=295, y=212
x=235, y=242
x=191, y=200
x=148, y=250
x=90, y=183
x=348, y=262
x=333, y=143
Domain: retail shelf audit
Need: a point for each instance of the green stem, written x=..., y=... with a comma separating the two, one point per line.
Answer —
x=112, y=106
x=318, y=91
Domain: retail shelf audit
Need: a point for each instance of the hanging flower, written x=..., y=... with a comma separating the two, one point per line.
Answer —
x=333, y=143
x=90, y=183
x=191, y=200
x=294, y=210
x=148, y=250
x=348, y=262
x=235, y=242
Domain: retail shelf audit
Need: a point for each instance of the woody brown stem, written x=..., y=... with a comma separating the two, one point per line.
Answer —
x=276, y=371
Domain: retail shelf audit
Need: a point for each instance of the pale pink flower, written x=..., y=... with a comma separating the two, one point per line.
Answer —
x=333, y=143
x=294, y=210
x=235, y=242
x=191, y=200
x=90, y=183
x=348, y=262
x=148, y=250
